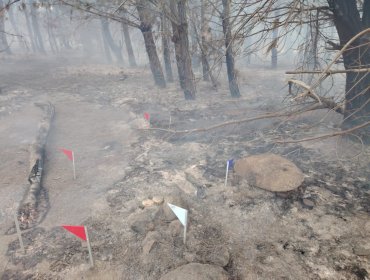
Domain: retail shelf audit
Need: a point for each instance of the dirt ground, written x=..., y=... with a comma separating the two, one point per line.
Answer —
x=320, y=231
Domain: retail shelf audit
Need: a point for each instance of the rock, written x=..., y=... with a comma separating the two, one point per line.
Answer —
x=308, y=203
x=189, y=257
x=175, y=228
x=158, y=199
x=175, y=200
x=196, y=271
x=178, y=180
x=150, y=241
x=220, y=257
x=362, y=250
x=269, y=172
x=147, y=202
x=216, y=255
x=142, y=223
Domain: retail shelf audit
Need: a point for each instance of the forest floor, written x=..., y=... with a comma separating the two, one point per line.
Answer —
x=320, y=231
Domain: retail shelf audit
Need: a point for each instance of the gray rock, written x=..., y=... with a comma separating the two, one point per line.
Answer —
x=142, y=222
x=362, y=250
x=175, y=200
x=216, y=255
x=150, y=242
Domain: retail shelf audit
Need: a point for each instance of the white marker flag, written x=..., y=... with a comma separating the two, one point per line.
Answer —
x=182, y=215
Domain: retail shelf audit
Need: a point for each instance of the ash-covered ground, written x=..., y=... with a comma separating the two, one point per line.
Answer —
x=238, y=231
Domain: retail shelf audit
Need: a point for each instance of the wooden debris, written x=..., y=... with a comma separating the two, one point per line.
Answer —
x=29, y=213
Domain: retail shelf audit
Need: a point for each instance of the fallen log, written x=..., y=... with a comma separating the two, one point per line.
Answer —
x=31, y=210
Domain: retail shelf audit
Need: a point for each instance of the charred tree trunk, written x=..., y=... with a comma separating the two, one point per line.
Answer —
x=181, y=41
x=4, y=46
x=195, y=57
x=36, y=28
x=203, y=46
x=29, y=27
x=126, y=34
x=108, y=55
x=166, y=49
x=21, y=41
x=52, y=40
x=231, y=74
x=130, y=51
x=348, y=23
x=108, y=39
x=146, y=30
x=310, y=56
x=205, y=62
x=274, y=54
x=34, y=204
x=315, y=41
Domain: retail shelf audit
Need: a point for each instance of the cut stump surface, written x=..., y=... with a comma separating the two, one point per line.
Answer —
x=269, y=172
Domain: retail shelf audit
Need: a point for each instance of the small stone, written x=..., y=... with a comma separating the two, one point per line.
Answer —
x=158, y=199
x=360, y=250
x=175, y=228
x=175, y=200
x=149, y=242
x=148, y=246
x=189, y=257
x=218, y=255
x=308, y=203
x=142, y=223
x=147, y=202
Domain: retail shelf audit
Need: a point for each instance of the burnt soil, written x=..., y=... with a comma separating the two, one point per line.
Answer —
x=319, y=231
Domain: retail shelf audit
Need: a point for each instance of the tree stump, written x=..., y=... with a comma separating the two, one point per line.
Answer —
x=269, y=172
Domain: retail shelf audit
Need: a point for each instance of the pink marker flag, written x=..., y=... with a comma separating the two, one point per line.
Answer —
x=68, y=153
x=147, y=116
x=79, y=231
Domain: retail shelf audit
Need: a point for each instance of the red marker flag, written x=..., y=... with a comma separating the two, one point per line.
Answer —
x=147, y=116
x=68, y=153
x=79, y=231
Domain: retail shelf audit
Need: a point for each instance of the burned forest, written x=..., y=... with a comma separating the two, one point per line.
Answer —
x=185, y=139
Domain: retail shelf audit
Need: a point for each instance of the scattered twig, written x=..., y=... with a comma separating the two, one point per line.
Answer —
x=326, y=102
x=330, y=72
x=204, y=129
x=343, y=132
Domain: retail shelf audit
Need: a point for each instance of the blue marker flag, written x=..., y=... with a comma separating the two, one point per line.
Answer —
x=231, y=163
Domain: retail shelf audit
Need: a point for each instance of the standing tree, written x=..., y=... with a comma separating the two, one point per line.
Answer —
x=109, y=42
x=4, y=46
x=348, y=23
x=166, y=48
x=146, y=27
x=274, y=53
x=203, y=45
x=38, y=40
x=126, y=34
x=181, y=40
x=226, y=26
